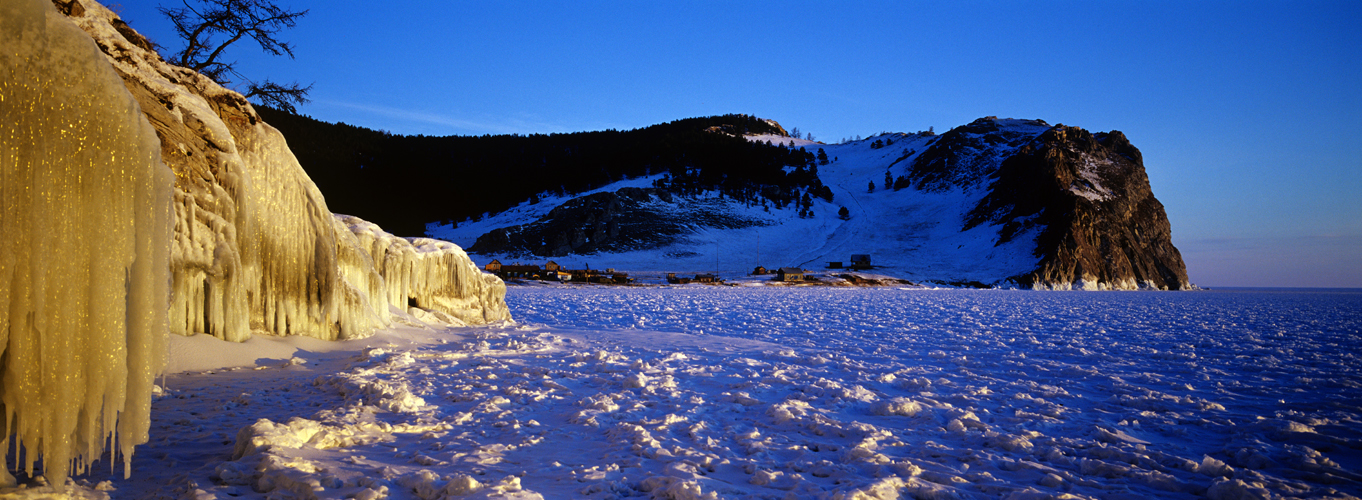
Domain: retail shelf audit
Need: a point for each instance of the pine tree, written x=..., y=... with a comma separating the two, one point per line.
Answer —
x=822, y=157
x=843, y=213
x=871, y=189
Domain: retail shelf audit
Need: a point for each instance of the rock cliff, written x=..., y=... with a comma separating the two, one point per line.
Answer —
x=1101, y=226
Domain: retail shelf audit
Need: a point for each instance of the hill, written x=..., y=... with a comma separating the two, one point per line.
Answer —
x=996, y=202
x=403, y=182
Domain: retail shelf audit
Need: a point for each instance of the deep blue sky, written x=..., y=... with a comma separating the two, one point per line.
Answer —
x=1248, y=113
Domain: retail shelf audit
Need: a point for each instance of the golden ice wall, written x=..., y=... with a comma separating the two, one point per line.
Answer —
x=255, y=249
x=430, y=274
x=85, y=209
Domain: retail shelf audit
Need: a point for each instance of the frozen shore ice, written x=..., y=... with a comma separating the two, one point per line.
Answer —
x=806, y=393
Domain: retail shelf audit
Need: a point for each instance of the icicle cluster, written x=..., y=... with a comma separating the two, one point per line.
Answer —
x=85, y=206
x=255, y=249
x=430, y=274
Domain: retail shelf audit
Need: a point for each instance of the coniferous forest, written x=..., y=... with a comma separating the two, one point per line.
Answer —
x=403, y=182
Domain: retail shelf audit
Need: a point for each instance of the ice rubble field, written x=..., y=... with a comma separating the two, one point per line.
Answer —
x=705, y=392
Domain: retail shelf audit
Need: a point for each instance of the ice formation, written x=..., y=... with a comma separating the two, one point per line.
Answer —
x=762, y=393
x=255, y=248
x=429, y=274
x=85, y=208
x=98, y=233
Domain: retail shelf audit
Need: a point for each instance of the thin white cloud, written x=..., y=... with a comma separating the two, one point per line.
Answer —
x=458, y=125
x=1270, y=242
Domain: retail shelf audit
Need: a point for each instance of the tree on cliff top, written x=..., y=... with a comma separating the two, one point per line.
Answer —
x=200, y=25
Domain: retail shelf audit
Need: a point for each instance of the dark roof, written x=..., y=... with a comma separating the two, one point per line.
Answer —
x=791, y=270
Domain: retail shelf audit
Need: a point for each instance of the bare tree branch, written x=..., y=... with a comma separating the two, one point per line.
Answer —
x=278, y=96
x=199, y=24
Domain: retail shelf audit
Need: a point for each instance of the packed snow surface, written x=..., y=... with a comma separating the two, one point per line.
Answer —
x=720, y=392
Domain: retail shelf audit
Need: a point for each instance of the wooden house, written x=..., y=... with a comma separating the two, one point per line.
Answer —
x=552, y=266
x=760, y=271
x=860, y=261
x=835, y=265
x=493, y=266
x=707, y=278
x=673, y=279
x=520, y=271
x=790, y=274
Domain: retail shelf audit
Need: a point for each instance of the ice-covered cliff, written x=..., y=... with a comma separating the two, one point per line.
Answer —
x=85, y=220
x=138, y=198
x=256, y=250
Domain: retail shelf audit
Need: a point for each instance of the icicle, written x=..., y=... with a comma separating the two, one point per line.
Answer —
x=85, y=218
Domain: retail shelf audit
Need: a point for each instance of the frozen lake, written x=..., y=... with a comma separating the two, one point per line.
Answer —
x=1253, y=377
x=1253, y=348
x=719, y=392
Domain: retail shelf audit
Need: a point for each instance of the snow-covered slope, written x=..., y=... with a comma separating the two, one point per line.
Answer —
x=940, y=210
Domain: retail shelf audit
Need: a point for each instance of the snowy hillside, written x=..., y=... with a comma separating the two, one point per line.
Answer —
x=925, y=207
x=915, y=237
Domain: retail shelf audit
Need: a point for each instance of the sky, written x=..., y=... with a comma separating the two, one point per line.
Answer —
x=1247, y=113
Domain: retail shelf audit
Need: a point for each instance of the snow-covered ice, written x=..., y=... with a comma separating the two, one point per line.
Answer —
x=719, y=392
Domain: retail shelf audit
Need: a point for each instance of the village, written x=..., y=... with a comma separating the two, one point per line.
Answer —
x=835, y=274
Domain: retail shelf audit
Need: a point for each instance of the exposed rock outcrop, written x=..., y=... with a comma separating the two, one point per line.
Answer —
x=1101, y=225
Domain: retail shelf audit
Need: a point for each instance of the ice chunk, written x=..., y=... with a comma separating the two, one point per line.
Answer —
x=897, y=406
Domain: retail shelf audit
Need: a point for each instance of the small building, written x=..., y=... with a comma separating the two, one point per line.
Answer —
x=673, y=279
x=562, y=275
x=760, y=271
x=860, y=261
x=493, y=266
x=520, y=271
x=790, y=274
x=835, y=265
x=552, y=266
x=707, y=278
